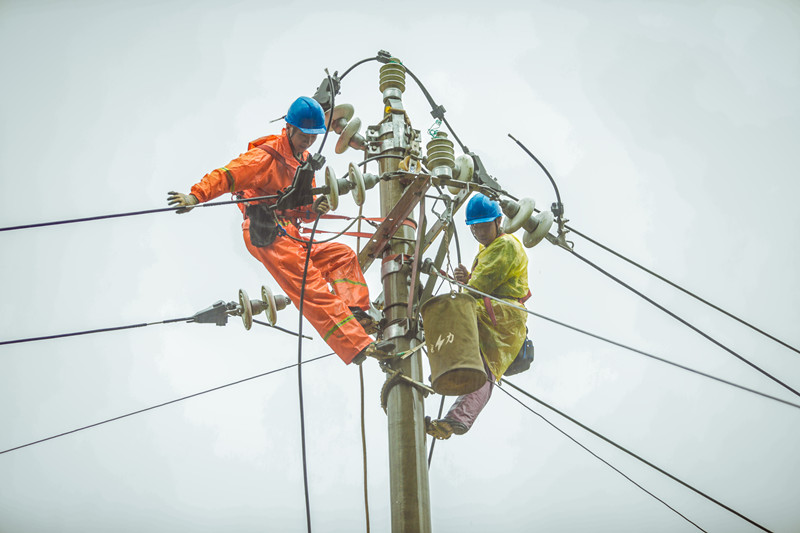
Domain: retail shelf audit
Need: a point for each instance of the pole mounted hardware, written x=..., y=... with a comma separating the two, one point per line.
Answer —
x=299, y=192
x=246, y=308
x=355, y=181
x=520, y=215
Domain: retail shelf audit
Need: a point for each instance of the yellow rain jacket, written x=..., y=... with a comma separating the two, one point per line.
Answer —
x=501, y=269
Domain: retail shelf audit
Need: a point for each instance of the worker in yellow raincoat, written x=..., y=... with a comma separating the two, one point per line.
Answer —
x=499, y=269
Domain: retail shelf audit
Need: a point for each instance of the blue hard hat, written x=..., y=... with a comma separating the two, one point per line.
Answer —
x=307, y=115
x=482, y=209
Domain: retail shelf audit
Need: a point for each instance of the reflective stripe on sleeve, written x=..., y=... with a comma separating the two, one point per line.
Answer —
x=230, y=179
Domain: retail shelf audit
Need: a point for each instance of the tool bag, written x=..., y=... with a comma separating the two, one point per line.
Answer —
x=263, y=227
x=523, y=360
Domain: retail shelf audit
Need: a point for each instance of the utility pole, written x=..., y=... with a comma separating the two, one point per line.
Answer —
x=408, y=470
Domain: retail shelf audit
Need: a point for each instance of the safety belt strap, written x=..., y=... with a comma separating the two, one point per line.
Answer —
x=489, y=309
x=274, y=153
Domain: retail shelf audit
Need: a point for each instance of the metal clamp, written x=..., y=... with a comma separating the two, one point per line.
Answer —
x=404, y=327
x=561, y=238
x=395, y=378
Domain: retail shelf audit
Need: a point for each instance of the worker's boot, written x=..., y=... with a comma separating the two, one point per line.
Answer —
x=379, y=350
x=443, y=428
x=366, y=320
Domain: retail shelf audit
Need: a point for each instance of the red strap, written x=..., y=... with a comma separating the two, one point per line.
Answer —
x=525, y=298
x=349, y=233
x=274, y=153
x=489, y=309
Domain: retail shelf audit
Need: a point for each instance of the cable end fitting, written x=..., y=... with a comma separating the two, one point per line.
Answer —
x=438, y=112
x=383, y=56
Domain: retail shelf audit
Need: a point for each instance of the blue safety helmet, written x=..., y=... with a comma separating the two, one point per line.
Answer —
x=306, y=115
x=482, y=209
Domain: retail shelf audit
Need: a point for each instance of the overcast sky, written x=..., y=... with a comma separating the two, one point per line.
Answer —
x=671, y=129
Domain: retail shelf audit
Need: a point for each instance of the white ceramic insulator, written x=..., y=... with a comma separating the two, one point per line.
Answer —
x=357, y=179
x=539, y=227
x=333, y=186
x=349, y=131
x=524, y=211
x=247, y=309
x=271, y=308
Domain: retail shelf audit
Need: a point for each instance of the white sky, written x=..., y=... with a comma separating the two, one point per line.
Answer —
x=671, y=129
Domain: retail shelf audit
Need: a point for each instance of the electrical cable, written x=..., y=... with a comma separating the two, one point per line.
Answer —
x=120, y=328
x=281, y=329
x=686, y=291
x=685, y=323
x=433, y=441
x=91, y=331
x=364, y=445
x=381, y=156
x=346, y=72
x=618, y=344
x=300, y=373
x=458, y=245
x=441, y=404
x=134, y=213
x=437, y=109
x=618, y=471
x=303, y=241
x=558, y=195
x=163, y=404
x=361, y=378
x=648, y=463
x=330, y=115
x=634, y=263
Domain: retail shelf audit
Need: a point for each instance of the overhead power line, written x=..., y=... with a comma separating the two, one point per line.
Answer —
x=130, y=214
x=146, y=409
x=132, y=326
x=684, y=322
x=686, y=291
x=645, y=461
x=619, y=344
x=91, y=331
x=558, y=209
x=617, y=470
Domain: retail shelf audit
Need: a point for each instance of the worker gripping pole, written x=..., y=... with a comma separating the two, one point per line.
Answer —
x=408, y=470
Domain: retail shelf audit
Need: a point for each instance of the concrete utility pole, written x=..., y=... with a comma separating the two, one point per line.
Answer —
x=408, y=468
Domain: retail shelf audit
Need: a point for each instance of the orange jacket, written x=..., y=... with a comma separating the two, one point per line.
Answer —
x=254, y=173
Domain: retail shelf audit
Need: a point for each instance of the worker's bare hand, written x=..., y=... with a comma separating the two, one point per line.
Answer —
x=321, y=205
x=184, y=201
x=462, y=274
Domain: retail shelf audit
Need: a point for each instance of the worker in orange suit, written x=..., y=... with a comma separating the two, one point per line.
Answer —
x=273, y=237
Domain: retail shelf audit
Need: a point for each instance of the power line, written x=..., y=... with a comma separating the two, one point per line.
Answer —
x=131, y=213
x=91, y=331
x=162, y=404
x=300, y=373
x=364, y=445
x=281, y=329
x=619, y=344
x=686, y=291
x=132, y=326
x=684, y=322
x=600, y=458
x=648, y=463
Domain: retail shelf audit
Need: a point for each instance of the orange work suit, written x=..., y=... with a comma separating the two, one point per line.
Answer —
x=263, y=172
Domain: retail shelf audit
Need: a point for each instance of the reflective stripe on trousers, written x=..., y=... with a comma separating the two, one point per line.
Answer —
x=328, y=313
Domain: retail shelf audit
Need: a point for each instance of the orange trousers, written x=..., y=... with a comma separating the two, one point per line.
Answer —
x=330, y=263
